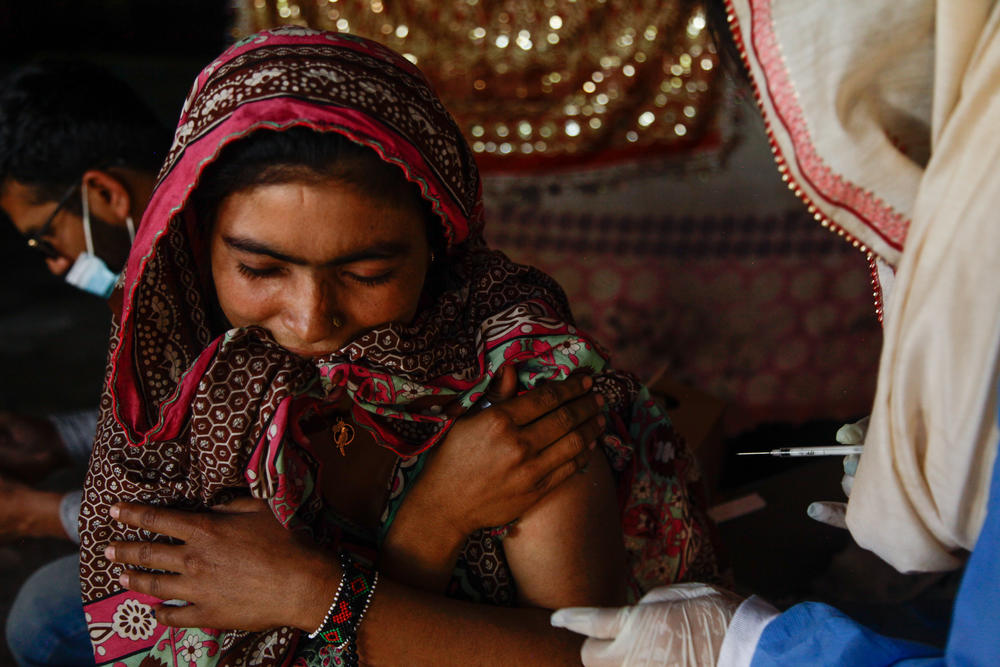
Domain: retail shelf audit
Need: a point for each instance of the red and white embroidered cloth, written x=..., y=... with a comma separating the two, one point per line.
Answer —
x=884, y=115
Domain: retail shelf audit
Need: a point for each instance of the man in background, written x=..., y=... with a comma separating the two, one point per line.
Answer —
x=79, y=152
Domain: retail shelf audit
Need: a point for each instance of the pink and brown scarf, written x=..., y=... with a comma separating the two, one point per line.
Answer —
x=191, y=416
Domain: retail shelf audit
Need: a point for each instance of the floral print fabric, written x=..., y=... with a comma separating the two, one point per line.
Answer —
x=191, y=417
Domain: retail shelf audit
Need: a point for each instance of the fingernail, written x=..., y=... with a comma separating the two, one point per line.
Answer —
x=123, y=580
x=851, y=464
x=114, y=511
x=592, y=445
x=109, y=552
x=602, y=420
x=570, y=616
x=600, y=399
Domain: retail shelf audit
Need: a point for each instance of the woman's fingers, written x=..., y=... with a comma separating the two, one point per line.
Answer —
x=563, y=421
x=556, y=477
x=546, y=398
x=241, y=505
x=503, y=386
x=174, y=523
x=150, y=555
x=163, y=586
x=184, y=616
x=574, y=448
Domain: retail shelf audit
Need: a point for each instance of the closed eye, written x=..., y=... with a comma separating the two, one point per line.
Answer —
x=254, y=273
x=369, y=281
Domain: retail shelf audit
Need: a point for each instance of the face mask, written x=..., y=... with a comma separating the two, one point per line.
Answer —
x=89, y=272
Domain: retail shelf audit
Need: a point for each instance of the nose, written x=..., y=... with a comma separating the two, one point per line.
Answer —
x=58, y=265
x=309, y=315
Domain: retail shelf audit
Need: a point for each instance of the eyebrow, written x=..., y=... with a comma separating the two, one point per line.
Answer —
x=382, y=250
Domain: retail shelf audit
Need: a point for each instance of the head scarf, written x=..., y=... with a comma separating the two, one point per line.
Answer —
x=883, y=119
x=189, y=420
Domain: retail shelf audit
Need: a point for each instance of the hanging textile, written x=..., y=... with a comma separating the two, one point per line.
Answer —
x=540, y=84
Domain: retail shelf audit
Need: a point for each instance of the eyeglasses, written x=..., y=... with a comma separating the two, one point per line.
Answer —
x=36, y=239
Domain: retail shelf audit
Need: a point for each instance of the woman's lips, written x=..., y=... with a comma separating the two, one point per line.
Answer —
x=309, y=354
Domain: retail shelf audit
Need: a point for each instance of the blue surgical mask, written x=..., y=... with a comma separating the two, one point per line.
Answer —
x=89, y=272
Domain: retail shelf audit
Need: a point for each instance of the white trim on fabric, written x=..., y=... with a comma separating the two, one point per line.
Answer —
x=744, y=632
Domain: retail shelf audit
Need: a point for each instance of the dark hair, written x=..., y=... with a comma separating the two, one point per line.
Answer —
x=303, y=154
x=717, y=22
x=59, y=119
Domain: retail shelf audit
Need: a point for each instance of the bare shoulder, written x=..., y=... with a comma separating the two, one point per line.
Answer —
x=567, y=550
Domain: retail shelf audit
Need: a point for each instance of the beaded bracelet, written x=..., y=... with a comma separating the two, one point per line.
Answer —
x=354, y=595
x=333, y=605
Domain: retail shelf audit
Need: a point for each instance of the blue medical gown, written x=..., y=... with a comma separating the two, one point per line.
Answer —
x=817, y=634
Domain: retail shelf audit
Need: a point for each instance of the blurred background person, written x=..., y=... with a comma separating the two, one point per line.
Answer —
x=78, y=154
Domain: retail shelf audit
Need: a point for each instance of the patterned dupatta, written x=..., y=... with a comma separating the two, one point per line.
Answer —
x=190, y=418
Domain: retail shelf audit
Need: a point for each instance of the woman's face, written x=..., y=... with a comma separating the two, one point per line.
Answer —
x=316, y=263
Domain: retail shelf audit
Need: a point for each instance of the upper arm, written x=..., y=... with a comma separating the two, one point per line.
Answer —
x=568, y=550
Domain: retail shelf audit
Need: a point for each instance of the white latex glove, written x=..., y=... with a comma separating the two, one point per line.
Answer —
x=834, y=513
x=683, y=624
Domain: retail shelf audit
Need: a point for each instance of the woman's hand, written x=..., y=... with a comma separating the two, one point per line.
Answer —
x=496, y=464
x=491, y=468
x=238, y=567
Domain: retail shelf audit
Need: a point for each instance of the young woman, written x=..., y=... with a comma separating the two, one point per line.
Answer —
x=312, y=321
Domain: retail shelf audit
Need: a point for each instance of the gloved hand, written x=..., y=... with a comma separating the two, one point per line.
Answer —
x=683, y=624
x=834, y=513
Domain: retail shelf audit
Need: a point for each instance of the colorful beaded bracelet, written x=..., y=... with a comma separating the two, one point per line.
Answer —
x=354, y=595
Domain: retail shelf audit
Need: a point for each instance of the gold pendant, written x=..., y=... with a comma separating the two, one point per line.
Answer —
x=343, y=435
